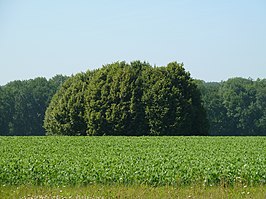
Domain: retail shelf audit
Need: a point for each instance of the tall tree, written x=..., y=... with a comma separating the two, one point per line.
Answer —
x=261, y=107
x=114, y=100
x=239, y=97
x=215, y=109
x=65, y=114
x=173, y=103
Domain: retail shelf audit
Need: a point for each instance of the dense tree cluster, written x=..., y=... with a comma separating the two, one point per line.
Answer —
x=133, y=99
x=236, y=106
x=128, y=99
x=23, y=104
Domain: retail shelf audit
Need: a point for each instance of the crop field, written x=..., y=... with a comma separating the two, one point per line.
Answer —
x=152, y=161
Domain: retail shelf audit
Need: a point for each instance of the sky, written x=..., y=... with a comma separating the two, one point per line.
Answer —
x=215, y=39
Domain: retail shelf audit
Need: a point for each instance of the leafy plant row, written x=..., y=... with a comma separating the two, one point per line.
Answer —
x=54, y=161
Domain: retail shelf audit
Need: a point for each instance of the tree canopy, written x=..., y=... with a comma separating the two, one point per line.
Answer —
x=128, y=99
x=236, y=106
x=23, y=104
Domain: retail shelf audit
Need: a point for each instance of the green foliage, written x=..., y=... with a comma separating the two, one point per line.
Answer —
x=23, y=104
x=239, y=96
x=261, y=106
x=113, y=100
x=3, y=112
x=173, y=104
x=128, y=99
x=133, y=99
x=65, y=114
x=235, y=107
x=157, y=161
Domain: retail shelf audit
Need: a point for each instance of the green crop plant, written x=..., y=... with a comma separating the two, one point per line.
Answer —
x=155, y=161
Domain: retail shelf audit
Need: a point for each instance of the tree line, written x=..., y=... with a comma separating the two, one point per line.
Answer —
x=133, y=99
x=236, y=106
x=23, y=105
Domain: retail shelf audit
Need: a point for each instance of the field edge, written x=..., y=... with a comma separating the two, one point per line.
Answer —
x=132, y=191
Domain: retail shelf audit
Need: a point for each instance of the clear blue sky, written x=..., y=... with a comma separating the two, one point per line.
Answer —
x=215, y=39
